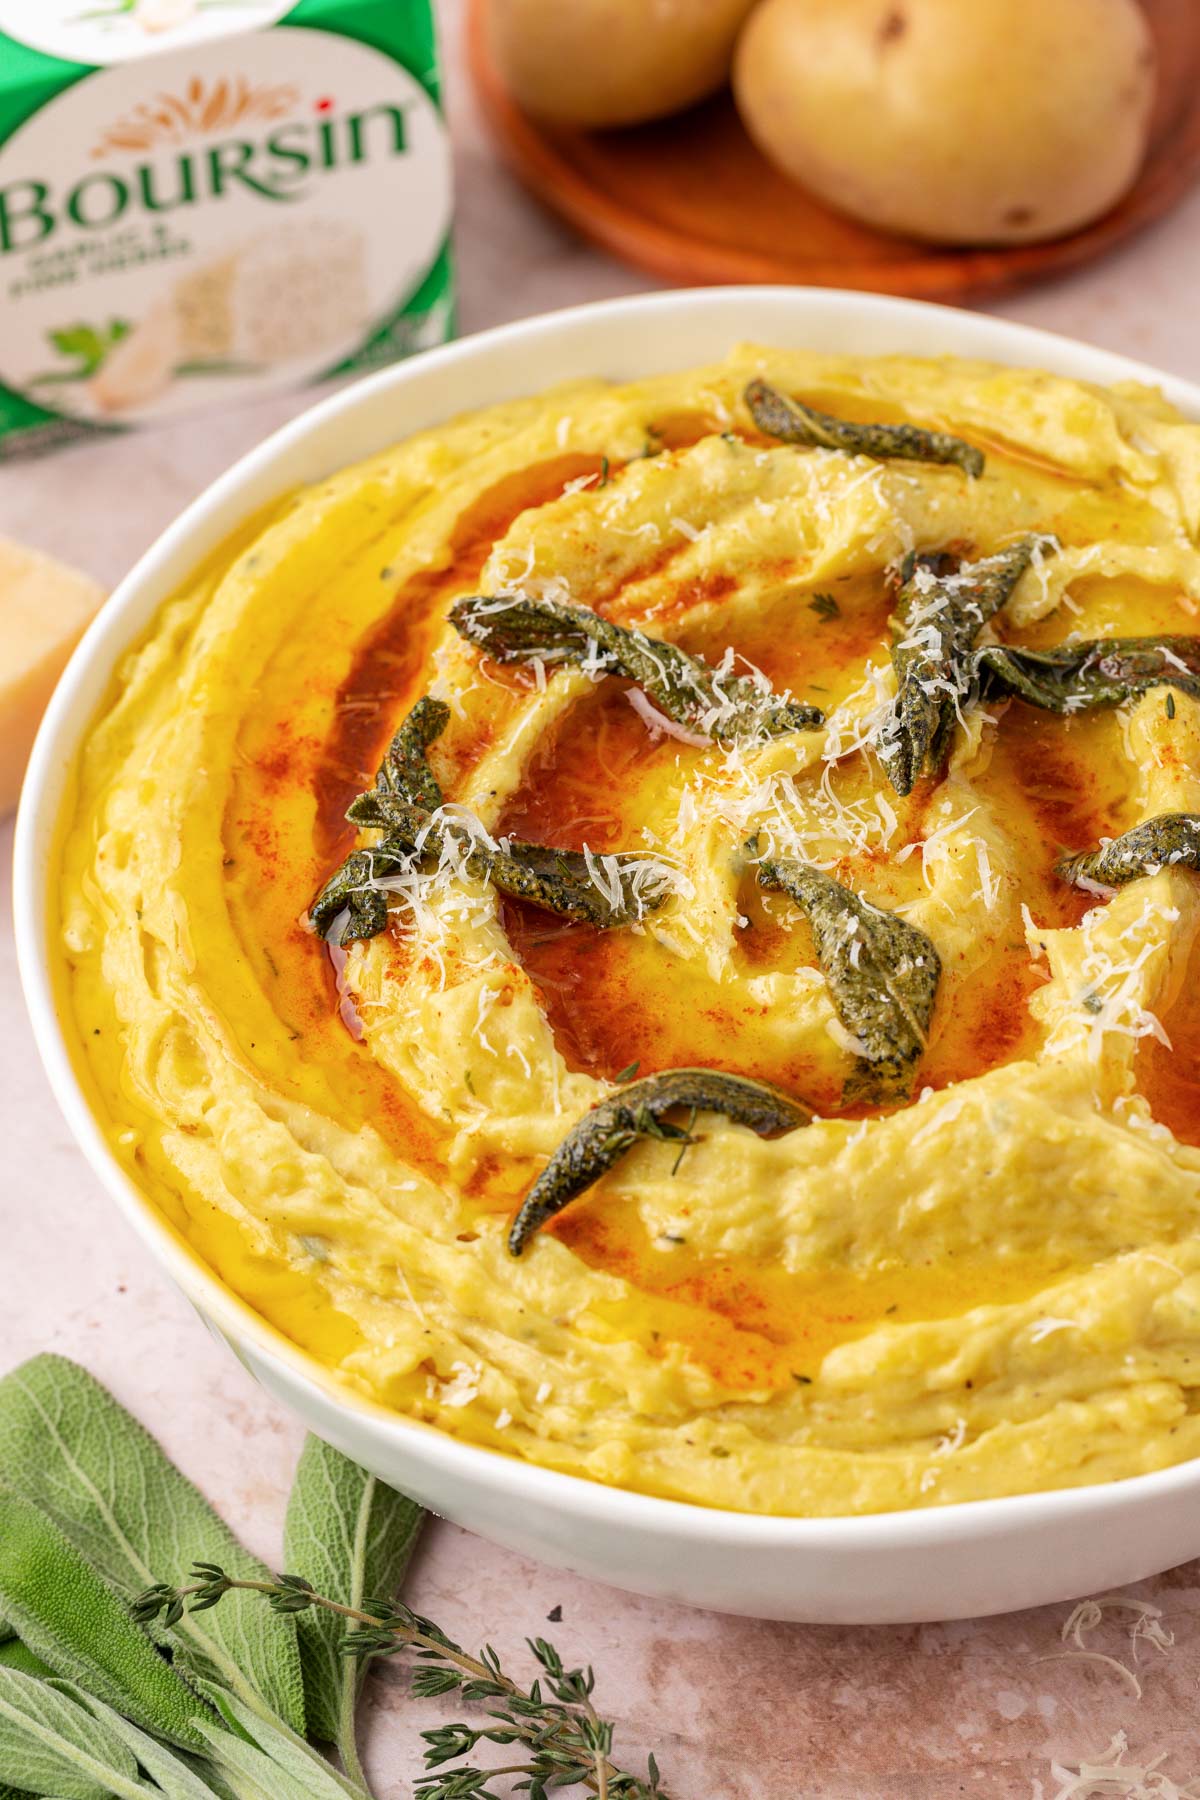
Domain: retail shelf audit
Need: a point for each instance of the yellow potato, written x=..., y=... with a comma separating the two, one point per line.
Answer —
x=613, y=62
x=961, y=121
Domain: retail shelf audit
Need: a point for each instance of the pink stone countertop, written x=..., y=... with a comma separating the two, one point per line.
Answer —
x=735, y=1710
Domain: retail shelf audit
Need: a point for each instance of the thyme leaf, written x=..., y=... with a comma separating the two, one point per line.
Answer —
x=780, y=416
x=825, y=607
x=882, y=974
x=1171, y=840
x=406, y=804
x=711, y=702
x=1098, y=672
x=940, y=612
x=602, y=1136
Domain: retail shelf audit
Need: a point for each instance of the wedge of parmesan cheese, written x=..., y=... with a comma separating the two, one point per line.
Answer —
x=44, y=607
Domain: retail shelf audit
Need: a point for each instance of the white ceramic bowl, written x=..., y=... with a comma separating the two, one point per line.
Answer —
x=943, y=1563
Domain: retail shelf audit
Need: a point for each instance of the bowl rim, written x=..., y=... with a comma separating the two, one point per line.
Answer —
x=176, y=552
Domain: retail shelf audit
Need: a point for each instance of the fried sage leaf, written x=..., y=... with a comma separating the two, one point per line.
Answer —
x=780, y=416
x=1172, y=840
x=710, y=702
x=1098, y=672
x=405, y=776
x=593, y=1146
x=882, y=974
x=939, y=614
x=601, y=890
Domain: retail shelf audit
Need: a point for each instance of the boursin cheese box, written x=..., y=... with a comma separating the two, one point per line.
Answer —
x=202, y=201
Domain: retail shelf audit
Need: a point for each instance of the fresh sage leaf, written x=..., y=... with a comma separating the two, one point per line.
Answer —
x=71, y=1449
x=602, y=890
x=882, y=974
x=72, y=1619
x=599, y=1140
x=53, y=1746
x=1081, y=677
x=1169, y=841
x=712, y=702
x=351, y=1536
x=177, y=1778
x=250, y=1747
x=16, y=1655
x=941, y=609
x=780, y=416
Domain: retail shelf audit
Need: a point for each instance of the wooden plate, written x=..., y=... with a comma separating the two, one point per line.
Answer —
x=691, y=199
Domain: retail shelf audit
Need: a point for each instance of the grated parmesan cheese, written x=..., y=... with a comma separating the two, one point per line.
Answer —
x=1108, y=1774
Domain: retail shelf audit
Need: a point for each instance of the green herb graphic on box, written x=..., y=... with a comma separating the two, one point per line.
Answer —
x=91, y=350
x=87, y=346
x=264, y=208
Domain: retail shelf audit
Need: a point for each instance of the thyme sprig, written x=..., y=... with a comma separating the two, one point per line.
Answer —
x=563, y=1740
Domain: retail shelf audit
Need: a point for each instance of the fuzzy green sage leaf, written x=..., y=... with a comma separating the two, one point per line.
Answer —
x=175, y=1777
x=246, y=1747
x=73, y=1621
x=882, y=974
x=16, y=1655
x=1169, y=841
x=351, y=1536
x=599, y=1140
x=71, y=1449
x=940, y=612
x=53, y=1745
x=1095, y=673
x=710, y=702
x=780, y=416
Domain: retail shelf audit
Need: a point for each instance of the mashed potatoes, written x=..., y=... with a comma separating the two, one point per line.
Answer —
x=989, y=1287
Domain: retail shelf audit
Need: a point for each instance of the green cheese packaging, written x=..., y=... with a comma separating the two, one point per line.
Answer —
x=203, y=201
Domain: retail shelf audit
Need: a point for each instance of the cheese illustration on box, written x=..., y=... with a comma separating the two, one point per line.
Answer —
x=211, y=214
x=295, y=293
